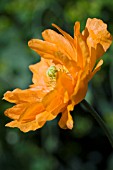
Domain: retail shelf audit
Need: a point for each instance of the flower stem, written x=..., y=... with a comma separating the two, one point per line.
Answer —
x=99, y=120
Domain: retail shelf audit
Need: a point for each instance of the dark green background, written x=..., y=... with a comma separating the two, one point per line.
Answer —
x=51, y=148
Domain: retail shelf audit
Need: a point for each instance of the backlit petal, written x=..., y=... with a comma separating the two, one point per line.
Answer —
x=98, y=36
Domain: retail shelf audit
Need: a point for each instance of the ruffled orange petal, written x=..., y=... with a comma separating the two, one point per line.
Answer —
x=82, y=52
x=55, y=38
x=52, y=101
x=38, y=69
x=65, y=84
x=70, y=39
x=66, y=120
x=25, y=111
x=22, y=96
x=42, y=46
x=81, y=46
x=81, y=87
x=37, y=123
x=97, y=36
x=28, y=117
x=26, y=126
x=76, y=29
x=55, y=100
x=31, y=111
x=71, y=65
x=46, y=49
x=15, y=111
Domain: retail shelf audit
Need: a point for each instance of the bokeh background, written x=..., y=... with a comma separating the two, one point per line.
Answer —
x=51, y=148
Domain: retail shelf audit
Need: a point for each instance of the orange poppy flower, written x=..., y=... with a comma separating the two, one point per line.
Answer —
x=60, y=79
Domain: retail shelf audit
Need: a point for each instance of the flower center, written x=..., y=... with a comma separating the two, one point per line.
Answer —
x=52, y=72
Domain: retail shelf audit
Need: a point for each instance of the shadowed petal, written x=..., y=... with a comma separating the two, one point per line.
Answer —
x=66, y=120
x=81, y=87
x=97, y=68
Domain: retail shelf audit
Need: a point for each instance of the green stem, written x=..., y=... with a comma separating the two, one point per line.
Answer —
x=99, y=120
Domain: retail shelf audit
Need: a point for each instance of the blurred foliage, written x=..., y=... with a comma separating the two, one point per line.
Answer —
x=50, y=148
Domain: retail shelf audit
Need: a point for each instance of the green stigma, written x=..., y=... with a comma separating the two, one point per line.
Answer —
x=51, y=72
